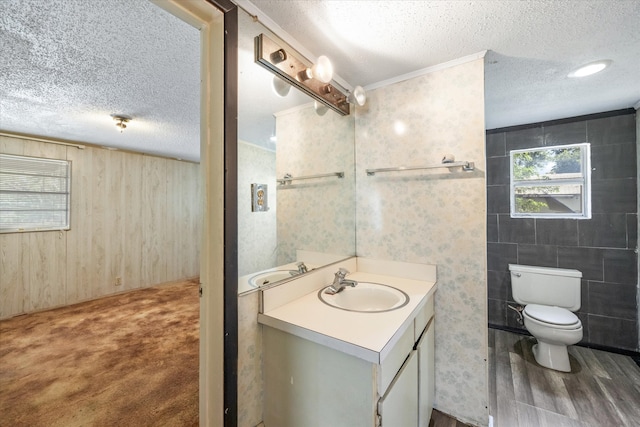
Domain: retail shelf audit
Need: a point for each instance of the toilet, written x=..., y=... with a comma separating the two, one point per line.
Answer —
x=550, y=296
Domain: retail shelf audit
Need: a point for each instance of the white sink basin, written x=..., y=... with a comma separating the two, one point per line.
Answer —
x=269, y=277
x=366, y=297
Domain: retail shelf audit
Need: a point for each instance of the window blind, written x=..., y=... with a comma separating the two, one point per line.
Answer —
x=35, y=194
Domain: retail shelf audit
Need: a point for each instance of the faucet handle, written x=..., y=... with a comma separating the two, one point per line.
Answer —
x=342, y=272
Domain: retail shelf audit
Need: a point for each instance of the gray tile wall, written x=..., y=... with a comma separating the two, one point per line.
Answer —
x=603, y=247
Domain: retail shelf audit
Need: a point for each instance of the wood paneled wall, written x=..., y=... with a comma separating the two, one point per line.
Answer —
x=133, y=216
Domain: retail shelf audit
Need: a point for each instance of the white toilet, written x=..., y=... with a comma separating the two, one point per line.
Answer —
x=549, y=295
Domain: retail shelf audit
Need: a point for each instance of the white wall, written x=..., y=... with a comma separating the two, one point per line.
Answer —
x=132, y=216
x=433, y=217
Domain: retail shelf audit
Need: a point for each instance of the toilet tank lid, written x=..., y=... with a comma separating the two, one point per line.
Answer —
x=545, y=270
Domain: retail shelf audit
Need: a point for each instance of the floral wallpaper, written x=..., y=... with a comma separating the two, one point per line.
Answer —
x=435, y=216
x=256, y=230
x=317, y=214
x=250, y=387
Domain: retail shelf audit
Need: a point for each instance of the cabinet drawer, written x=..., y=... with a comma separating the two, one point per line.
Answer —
x=422, y=319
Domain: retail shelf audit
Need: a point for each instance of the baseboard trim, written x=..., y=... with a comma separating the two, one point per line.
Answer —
x=194, y=279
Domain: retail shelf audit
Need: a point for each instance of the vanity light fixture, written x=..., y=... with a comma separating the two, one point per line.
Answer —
x=590, y=68
x=121, y=121
x=314, y=80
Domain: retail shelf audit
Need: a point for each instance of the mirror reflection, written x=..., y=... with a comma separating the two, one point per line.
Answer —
x=289, y=227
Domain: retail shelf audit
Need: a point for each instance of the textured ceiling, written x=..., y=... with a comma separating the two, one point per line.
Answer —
x=532, y=46
x=67, y=65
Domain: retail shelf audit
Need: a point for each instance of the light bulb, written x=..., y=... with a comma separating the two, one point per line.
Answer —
x=323, y=69
x=280, y=87
x=320, y=109
x=359, y=96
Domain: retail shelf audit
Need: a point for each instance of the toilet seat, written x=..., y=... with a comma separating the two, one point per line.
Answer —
x=555, y=317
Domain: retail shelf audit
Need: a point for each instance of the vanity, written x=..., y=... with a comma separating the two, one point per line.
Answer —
x=344, y=362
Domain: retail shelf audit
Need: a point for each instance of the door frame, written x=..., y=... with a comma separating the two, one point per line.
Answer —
x=218, y=25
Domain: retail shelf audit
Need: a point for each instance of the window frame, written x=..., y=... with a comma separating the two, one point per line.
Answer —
x=584, y=180
x=65, y=164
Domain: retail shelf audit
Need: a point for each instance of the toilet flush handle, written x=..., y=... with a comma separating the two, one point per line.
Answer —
x=518, y=309
x=517, y=274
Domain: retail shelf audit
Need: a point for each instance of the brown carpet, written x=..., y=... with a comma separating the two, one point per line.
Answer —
x=124, y=360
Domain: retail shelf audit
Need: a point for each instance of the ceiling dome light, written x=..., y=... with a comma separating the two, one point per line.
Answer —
x=121, y=121
x=590, y=68
x=323, y=70
x=280, y=87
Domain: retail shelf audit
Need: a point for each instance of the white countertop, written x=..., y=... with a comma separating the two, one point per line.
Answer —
x=368, y=336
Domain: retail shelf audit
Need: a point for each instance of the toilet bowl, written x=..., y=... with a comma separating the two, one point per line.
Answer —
x=550, y=296
x=555, y=328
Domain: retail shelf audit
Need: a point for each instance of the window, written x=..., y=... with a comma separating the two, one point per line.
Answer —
x=551, y=182
x=34, y=194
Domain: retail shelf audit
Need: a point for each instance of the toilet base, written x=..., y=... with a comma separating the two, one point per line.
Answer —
x=552, y=356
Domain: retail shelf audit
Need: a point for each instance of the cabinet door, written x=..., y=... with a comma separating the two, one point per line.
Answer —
x=399, y=406
x=426, y=369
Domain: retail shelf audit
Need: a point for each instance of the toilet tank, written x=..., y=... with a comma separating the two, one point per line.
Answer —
x=558, y=287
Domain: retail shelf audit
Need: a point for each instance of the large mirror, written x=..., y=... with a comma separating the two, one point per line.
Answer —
x=286, y=229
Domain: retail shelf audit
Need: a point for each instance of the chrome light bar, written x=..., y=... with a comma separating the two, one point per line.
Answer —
x=291, y=66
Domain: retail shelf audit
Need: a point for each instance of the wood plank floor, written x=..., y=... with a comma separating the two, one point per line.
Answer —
x=602, y=389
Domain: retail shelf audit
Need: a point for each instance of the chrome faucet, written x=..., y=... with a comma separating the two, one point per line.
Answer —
x=302, y=268
x=339, y=282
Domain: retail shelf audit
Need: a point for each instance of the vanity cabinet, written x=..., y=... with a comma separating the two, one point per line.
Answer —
x=426, y=379
x=399, y=405
x=310, y=384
